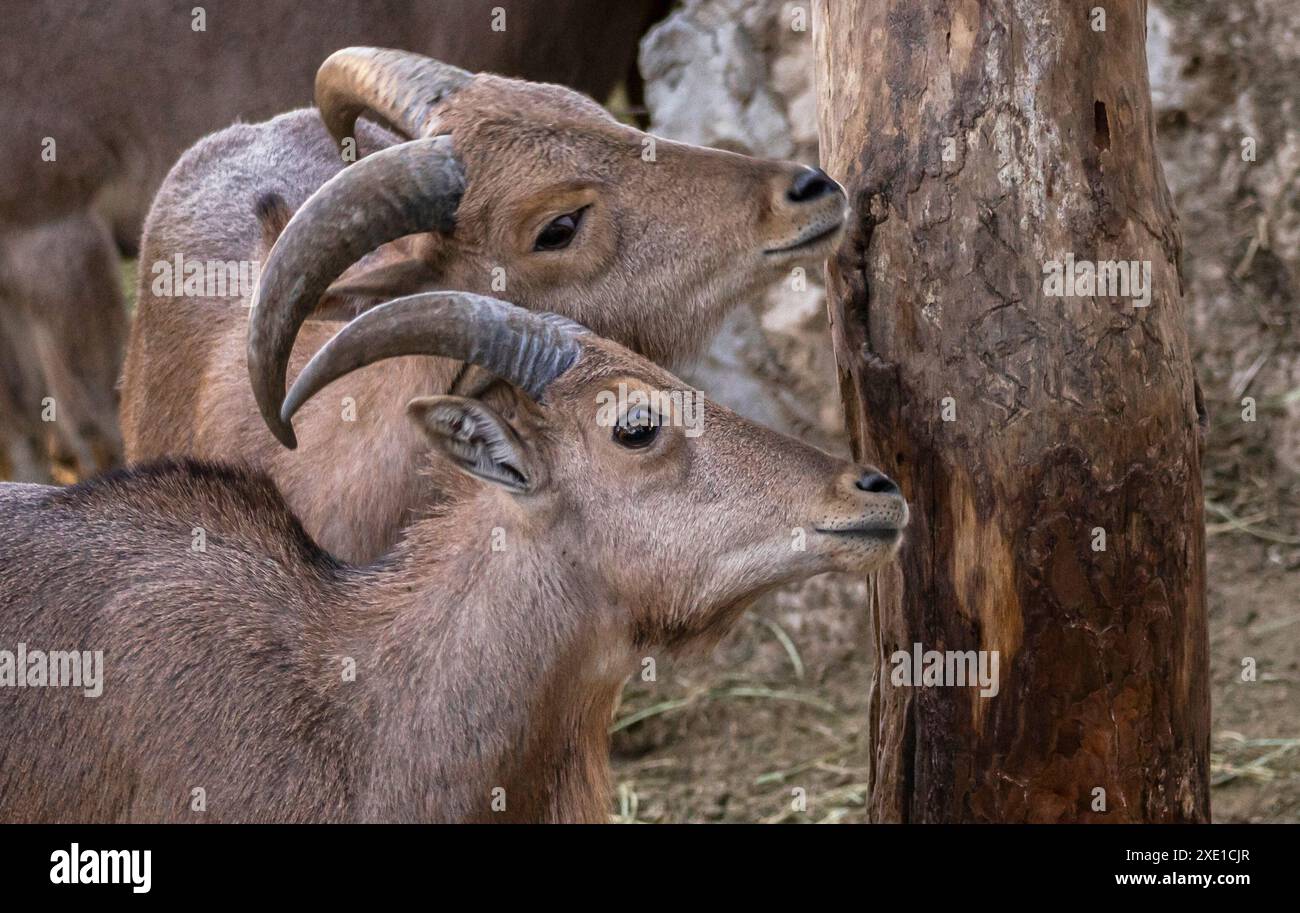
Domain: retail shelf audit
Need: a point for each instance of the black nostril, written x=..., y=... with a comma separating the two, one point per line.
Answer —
x=877, y=483
x=808, y=185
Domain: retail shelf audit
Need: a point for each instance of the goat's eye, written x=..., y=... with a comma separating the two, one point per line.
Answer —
x=559, y=231
x=637, y=429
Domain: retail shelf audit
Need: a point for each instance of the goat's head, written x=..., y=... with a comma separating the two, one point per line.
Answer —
x=678, y=511
x=535, y=186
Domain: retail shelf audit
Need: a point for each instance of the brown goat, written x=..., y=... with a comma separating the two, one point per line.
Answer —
x=488, y=647
x=649, y=242
x=122, y=88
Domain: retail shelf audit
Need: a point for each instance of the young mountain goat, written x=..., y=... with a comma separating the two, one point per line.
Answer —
x=470, y=674
x=529, y=190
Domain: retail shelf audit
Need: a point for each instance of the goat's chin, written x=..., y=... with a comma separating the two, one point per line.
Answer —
x=810, y=246
x=860, y=553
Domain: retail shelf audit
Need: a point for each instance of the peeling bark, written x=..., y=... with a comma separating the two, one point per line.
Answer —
x=980, y=141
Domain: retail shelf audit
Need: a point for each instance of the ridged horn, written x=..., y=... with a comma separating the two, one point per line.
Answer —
x=398, y=191
x=398, y=88
x=528, y=349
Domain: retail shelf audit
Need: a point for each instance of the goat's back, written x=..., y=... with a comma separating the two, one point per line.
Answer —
x=197, y=585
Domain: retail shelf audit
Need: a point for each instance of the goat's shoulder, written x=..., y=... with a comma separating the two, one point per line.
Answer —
x=230, y=501
x=170, y=481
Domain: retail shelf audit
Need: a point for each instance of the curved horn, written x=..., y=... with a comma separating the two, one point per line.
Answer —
x=398, y=191
x=398, y=88
x=526, y=348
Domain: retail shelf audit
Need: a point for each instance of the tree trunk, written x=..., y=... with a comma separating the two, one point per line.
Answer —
x=1046, y=433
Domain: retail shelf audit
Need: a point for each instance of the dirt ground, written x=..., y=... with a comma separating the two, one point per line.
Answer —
x=729, y=738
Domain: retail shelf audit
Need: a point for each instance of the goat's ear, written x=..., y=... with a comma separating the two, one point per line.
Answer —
x=273, y=214
x=357, y=292
x=476, y=439
x=386, y=280
x=402, y=267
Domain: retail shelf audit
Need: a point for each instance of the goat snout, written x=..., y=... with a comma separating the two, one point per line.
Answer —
x=809, y=184
x=865, y=506
x=808, y=210
x=877, y=483
x=877, y=501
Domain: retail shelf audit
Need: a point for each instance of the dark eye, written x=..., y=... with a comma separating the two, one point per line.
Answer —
x=559, y=231
x=636, y=430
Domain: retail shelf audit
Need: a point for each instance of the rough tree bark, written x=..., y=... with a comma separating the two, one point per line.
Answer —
x=981, y=141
